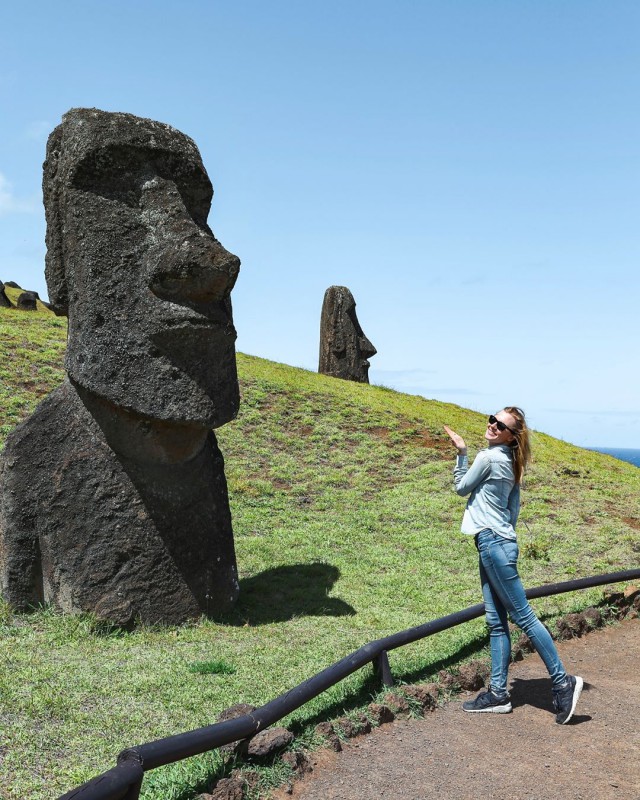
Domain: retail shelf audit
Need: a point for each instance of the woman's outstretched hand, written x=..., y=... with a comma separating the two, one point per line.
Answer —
x=457, y=440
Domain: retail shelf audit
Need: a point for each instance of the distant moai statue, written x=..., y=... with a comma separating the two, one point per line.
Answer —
x=27, y=301
x=344, y=349
x=4, y=300
x=113, y=497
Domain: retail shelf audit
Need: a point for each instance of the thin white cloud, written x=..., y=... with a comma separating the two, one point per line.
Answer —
x=453, y=390
x=601, y=413
x=473, y=280
x=10, y=204
x=417, y=381
x=405, y=374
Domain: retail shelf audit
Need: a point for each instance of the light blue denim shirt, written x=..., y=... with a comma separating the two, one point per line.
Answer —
x=495, y=497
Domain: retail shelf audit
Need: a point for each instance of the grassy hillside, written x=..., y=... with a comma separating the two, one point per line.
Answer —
x=13, y=294
x=346, y=529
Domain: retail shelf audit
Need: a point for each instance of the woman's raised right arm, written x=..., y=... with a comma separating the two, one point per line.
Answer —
x=467, y=478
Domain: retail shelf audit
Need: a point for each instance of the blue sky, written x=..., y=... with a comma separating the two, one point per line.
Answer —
x=469, y=169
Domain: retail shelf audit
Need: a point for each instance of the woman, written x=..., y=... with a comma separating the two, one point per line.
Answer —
x=493, y=483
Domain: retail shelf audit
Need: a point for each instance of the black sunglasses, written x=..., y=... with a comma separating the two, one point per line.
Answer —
x=500, y=425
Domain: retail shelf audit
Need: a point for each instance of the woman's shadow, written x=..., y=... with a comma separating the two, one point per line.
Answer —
x=537, y=692
x=288, y=591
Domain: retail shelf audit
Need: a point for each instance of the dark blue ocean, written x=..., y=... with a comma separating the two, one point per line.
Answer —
x=623, y=453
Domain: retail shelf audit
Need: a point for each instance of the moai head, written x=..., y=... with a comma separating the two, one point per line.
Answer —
x=133, y=263
x=27, y=301
x=344, y=349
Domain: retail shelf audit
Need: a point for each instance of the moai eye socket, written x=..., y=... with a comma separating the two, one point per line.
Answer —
x=118, y=173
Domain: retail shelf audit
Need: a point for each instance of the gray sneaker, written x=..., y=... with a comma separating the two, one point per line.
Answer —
x=565, y=699
x=488, y=701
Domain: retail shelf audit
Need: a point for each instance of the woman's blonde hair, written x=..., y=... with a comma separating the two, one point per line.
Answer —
x=520, y=447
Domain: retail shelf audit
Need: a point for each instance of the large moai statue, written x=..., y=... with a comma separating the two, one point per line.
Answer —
x=344, y=349
x=113, y=496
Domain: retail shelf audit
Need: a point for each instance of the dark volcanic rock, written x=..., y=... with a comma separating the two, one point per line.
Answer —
x=522, y=646
x=327, y=731
x=447, y=679
x=231, y=788
x=470, y=676
x=347, y=727
x=4, y=300
x=571, y=625
x=473, y=676
x=27, y=301
x=298, y=761
x=398, y=704
x=353, y=727
x=268, y=742
x=380, y=713
x=425, y=695
x=233, y=712
x=113, y=496
x=12, y=284
x=594, y=617
x=344, y=349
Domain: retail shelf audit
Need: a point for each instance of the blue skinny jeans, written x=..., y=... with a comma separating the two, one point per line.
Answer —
x=504, y=595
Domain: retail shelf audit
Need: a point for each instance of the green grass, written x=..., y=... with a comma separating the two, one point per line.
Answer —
x=216, y=667
x=33, y=344
x=346, y=529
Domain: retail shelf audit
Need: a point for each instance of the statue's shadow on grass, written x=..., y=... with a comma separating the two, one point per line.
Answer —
x=282, y=593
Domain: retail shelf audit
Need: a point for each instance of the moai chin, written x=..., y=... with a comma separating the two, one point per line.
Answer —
x=113, y=497
x=344, y=349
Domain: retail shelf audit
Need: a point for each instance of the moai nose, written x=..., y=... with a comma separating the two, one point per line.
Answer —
x=185, y=261
x=366, y=348
x=198, y=270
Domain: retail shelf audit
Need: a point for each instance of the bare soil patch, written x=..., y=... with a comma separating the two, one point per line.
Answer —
x=520, y=756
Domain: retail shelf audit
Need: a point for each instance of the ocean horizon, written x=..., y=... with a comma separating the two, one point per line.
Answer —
x=630, y=454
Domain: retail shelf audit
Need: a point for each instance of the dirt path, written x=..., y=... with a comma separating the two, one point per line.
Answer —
x=518, y=756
